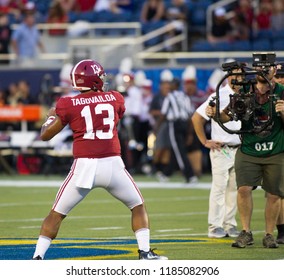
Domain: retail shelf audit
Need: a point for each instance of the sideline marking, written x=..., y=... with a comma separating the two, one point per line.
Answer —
x=86, y=248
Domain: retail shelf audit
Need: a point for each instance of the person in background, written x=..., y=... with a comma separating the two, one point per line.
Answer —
x=5, y=37
x=2, y=97
x=26, y=38
x=279, y=78
x=24, y=92
x=277, y=17
x=67, y=5
x=19, y=93
x=133, y=105
x=152, y=11
x=121, y=6
x=15, y=8
x=82, y=6
x=12, y=94
x=190, y=86
x=197, y=96
x=240, y=30
x=162, y=147
x=146, y=122
x=152, y=17
x=223, y=146
x=246, y=10
x=176, y=13
x=263, y=16
x=56, y=14
x=176, y=111
x=221, y=27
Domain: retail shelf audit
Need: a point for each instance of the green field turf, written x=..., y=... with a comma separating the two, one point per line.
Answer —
x=178, y=218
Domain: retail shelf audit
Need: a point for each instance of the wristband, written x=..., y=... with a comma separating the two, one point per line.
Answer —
x=49, y=120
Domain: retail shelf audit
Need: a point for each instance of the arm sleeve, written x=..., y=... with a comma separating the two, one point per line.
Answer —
x=61, y=110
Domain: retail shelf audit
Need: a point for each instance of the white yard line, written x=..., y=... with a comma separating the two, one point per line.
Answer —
x=55, y=183
x=106, y=217
x=105, y=228
x=173, y=230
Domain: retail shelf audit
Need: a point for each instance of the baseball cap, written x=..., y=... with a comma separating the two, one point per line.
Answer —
x=280, y=69
x=147, y=83
x=220, y=12
x=166, y=76
x=189, y=74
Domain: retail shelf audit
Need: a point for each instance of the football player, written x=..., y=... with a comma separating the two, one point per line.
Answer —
x=93, y=116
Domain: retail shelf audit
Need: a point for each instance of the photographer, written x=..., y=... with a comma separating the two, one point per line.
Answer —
x=259, y=160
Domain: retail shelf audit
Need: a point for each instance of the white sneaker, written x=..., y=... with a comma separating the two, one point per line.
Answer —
x=232, y=232
x=162, y=177
x=217, y=233
x=192, y=181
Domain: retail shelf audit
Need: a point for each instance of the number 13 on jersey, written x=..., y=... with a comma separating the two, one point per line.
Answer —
x=108, y=122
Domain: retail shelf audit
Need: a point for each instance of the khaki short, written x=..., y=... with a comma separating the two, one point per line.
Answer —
x=267, y=172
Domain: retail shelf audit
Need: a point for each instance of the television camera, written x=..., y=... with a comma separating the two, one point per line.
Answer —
x=243, y=104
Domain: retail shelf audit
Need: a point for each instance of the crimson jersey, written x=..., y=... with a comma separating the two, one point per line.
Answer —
x=93, y=118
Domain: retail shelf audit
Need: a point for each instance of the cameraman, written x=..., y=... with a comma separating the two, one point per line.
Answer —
x=260, y=159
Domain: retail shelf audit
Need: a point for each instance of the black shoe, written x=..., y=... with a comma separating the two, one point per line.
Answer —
x=150, y=255
x=244, y=239
x=268, y=241
x=280, y=240
x=39, y=258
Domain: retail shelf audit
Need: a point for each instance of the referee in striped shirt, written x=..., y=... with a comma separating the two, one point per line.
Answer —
x=177, y=110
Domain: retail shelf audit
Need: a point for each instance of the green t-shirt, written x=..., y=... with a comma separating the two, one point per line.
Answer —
x=271, y=140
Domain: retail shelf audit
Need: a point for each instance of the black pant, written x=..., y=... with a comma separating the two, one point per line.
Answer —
x=178, y=134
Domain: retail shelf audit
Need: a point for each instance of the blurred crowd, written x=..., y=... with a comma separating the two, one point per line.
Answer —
x=246, y=20
x=242, y=20
x=17, y=93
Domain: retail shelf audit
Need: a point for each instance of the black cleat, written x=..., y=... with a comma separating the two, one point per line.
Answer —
x=38, y=258
x=150, y=255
